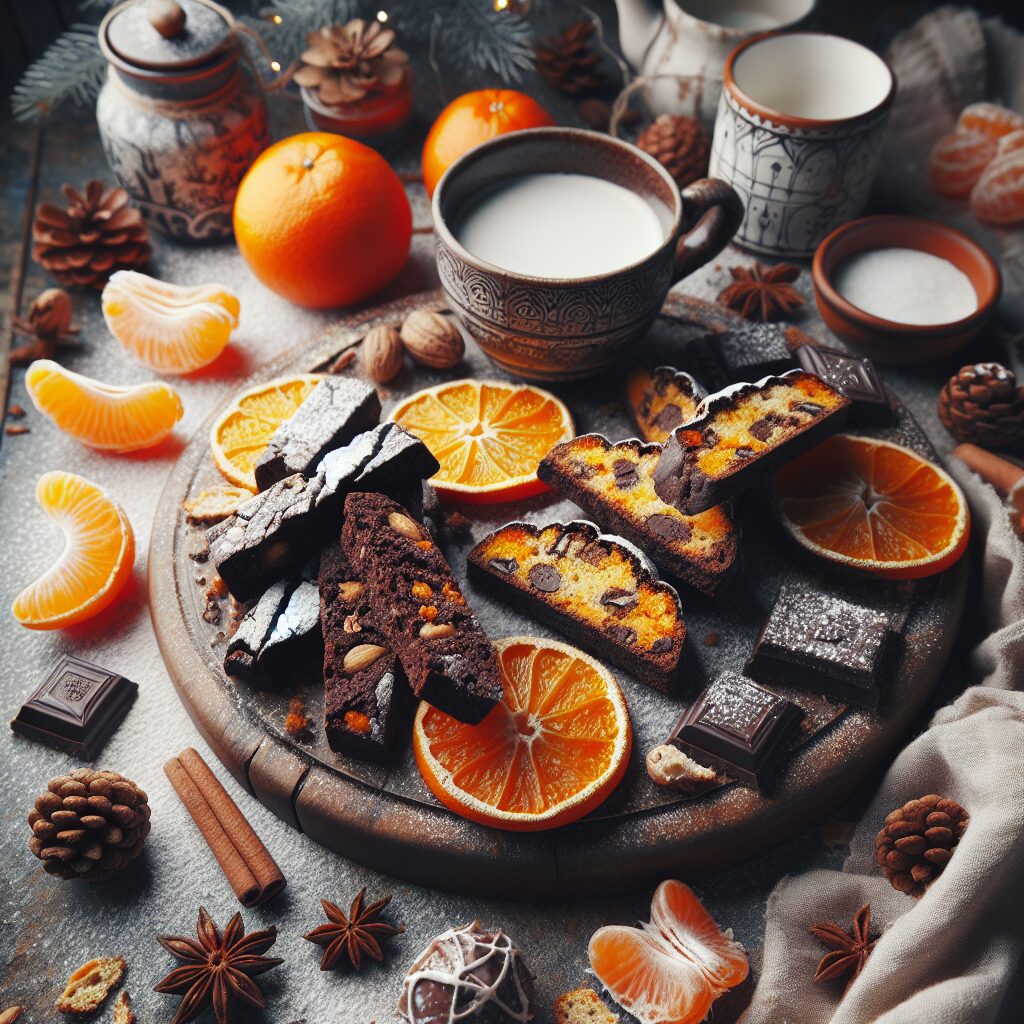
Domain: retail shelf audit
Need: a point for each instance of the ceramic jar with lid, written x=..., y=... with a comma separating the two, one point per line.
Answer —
x=181, y=114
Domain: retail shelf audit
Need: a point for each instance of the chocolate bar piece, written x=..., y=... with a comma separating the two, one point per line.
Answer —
x=77, y=708
x=855, y=377
x=337, y=409
x=364, y=686
x=821, y=642
x=737, y=727
x=747, y=351
x=277, y=530
x=279, y=636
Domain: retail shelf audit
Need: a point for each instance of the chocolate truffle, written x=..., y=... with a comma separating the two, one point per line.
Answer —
x=471, y=976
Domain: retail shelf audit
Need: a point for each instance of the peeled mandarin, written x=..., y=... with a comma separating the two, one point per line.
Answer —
x=956, y=162
x=989, y=119
x=998, y=197
x=169, y=328
x=99, y=551
x=119, y=419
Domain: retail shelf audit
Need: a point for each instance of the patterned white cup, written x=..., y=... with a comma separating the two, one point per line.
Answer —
x=798, y=136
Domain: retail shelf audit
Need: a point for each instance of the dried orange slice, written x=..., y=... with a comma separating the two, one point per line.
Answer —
x=119, y=419
x=168, y=327
x=489, y=436
x=671, y=970
x=549, y=753
x=99, y=551
x=874, y=507
x=242, y=431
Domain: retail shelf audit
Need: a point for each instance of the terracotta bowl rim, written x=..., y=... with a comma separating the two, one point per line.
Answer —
x=822, y=277
x=792, y=120
x=512, y=139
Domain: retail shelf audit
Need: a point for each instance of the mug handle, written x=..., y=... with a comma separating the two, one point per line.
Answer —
x=712, y=214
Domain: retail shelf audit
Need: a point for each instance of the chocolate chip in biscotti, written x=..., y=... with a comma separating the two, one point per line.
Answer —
x=545, y=578
x=625, y=473
x=598, y=589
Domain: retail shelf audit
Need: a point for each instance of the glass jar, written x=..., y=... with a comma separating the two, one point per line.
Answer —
x=181, y=114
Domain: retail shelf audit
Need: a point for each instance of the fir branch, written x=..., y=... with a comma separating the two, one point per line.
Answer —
x=71, y=70
x=287, y=40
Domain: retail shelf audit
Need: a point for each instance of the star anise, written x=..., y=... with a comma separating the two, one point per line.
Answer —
x=762, y=292
x=848, y=951
x=217, y=970
x=353, y=935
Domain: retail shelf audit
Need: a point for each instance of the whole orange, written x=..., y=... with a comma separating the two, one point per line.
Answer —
x=475, y=118
x=322, y=220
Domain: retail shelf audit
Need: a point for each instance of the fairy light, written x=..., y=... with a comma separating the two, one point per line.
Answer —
x=382, y=16
x=501, y=5
x=276, y=19
x=275, y=65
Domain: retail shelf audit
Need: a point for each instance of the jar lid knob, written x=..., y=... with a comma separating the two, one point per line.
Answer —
x=167, y=17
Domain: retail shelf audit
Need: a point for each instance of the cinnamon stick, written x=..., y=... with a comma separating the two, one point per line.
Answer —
x=999, y=472
x=247, y=864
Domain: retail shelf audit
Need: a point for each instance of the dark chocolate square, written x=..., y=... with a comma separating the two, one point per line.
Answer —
x=77, y=708
x=737, y=727
x=824, y=643
x=857, y=378
x=746, y=352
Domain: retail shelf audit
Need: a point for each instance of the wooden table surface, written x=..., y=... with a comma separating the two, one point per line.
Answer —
x=48, y=927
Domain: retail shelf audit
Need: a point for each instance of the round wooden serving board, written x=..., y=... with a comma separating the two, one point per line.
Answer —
x=384, y=817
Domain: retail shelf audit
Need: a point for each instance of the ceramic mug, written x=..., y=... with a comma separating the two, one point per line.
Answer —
x=548, y=328
x=799, y=135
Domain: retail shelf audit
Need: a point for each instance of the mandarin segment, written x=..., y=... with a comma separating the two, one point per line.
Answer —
x=671, y=970
x=169, y=328
x=551, y=752
x=989, y=119
x=242, y=431
x=488, y=436
x=956, y=162
x=103, y=416
x=97, y=560
x=998, y=197
x=873, y=507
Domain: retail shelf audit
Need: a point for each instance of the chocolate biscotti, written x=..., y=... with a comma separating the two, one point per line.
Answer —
x=276, y=531
x=660, y=400
x=596, y=589
x=364, y=687
x=740, y=433
x=337, y=409
x=447, y=657
x=614, y=483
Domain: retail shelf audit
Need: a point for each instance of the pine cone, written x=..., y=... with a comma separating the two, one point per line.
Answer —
x=917, y=842
x=89, y=824
x=983, y=405
x=567, y=62
x=680, y=144
x=97, y=234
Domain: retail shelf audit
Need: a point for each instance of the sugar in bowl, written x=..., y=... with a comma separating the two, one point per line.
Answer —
x=181, y=114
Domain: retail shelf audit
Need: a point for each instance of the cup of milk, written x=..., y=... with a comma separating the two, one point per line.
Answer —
x=556, y=246
x=798, y=135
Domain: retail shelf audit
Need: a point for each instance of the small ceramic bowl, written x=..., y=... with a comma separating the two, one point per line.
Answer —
x=887, y=341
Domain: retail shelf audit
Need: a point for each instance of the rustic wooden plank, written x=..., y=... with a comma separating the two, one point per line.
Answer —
x=17, y=282
x=275, y=776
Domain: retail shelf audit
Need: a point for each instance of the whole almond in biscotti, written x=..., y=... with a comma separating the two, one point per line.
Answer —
x=383, y=355
x=88, y=988
x=432, y=339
